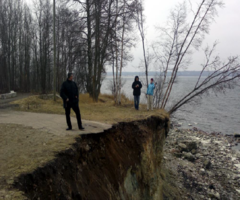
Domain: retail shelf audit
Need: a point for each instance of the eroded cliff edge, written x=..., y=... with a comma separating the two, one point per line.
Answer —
x=123, y=162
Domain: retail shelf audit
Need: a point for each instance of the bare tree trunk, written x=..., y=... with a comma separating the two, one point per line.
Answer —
x=183, y=51
x=58, y=57
x=113, y=73
x=140, y=23
x=122, y=51
x=116, y=51
x=89, y=42
x=54, y=57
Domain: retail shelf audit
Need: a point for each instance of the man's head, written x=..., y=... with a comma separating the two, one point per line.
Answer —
x=70, y=76
x=151, y=80
x=136, y=78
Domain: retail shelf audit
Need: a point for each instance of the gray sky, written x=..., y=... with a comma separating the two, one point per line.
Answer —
x=225, y=29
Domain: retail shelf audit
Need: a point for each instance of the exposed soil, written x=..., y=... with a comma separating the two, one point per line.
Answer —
x=30, y=140
x=124, y=162
x=23, y=149
x=120, y=163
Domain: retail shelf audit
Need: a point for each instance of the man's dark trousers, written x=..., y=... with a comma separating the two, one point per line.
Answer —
x=76, y=109
x=136, y=102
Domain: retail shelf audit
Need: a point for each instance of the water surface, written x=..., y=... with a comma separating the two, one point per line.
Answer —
x=211, y=113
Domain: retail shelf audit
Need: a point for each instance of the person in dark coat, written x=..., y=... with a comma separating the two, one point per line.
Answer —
x=70, y=95
x=137, y=85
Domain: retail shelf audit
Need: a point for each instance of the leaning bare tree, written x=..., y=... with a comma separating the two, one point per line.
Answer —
x=180, y=38
x=223, y=77
x=140, y=20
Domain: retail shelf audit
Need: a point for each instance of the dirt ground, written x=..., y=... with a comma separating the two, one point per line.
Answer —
x=121, y=163
x=23, y=149
x=30, y=140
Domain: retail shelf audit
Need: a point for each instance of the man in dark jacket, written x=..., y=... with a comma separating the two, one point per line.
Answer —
x=136, y=91
x=70, y=95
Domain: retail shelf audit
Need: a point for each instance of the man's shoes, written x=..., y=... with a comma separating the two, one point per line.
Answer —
x=68, y=129
x=81, y=128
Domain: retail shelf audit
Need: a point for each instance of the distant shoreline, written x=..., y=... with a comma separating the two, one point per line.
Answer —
x=154, y=73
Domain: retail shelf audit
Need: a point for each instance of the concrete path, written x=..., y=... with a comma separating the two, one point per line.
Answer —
x=52, y=123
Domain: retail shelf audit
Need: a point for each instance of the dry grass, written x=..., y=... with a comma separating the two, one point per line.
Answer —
x=104, y=110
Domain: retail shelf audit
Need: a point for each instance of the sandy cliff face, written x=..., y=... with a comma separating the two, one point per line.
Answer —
x=123, y=162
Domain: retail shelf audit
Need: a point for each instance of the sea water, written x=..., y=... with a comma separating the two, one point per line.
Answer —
x=211, y=113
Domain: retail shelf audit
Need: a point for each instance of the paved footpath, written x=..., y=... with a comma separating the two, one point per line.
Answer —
x=30, y=140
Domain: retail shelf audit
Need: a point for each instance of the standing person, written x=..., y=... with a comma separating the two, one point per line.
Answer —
x=150, y=91
x=137, y=85
x=70, y=96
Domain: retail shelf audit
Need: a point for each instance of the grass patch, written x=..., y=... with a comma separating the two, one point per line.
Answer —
x=104, y=110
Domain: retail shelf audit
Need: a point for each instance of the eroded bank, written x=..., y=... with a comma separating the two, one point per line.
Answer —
x=123, y=162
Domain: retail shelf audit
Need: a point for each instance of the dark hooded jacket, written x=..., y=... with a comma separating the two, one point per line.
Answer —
x=136, y=90
x=69, y=90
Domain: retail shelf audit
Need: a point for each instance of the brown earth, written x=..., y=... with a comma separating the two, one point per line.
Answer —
x=31, y=144
x=97, y=165
x=30, y=140
x=122, y=162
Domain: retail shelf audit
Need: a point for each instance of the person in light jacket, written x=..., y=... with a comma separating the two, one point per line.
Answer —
x=150, y=91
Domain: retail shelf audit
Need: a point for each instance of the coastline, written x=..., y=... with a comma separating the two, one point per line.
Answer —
x=211, y=113
x=205, y=165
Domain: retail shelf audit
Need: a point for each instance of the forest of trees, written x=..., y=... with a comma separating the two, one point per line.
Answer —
x=90, y=35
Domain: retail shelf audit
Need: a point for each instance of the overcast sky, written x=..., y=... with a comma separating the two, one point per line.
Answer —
x=225, y=29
